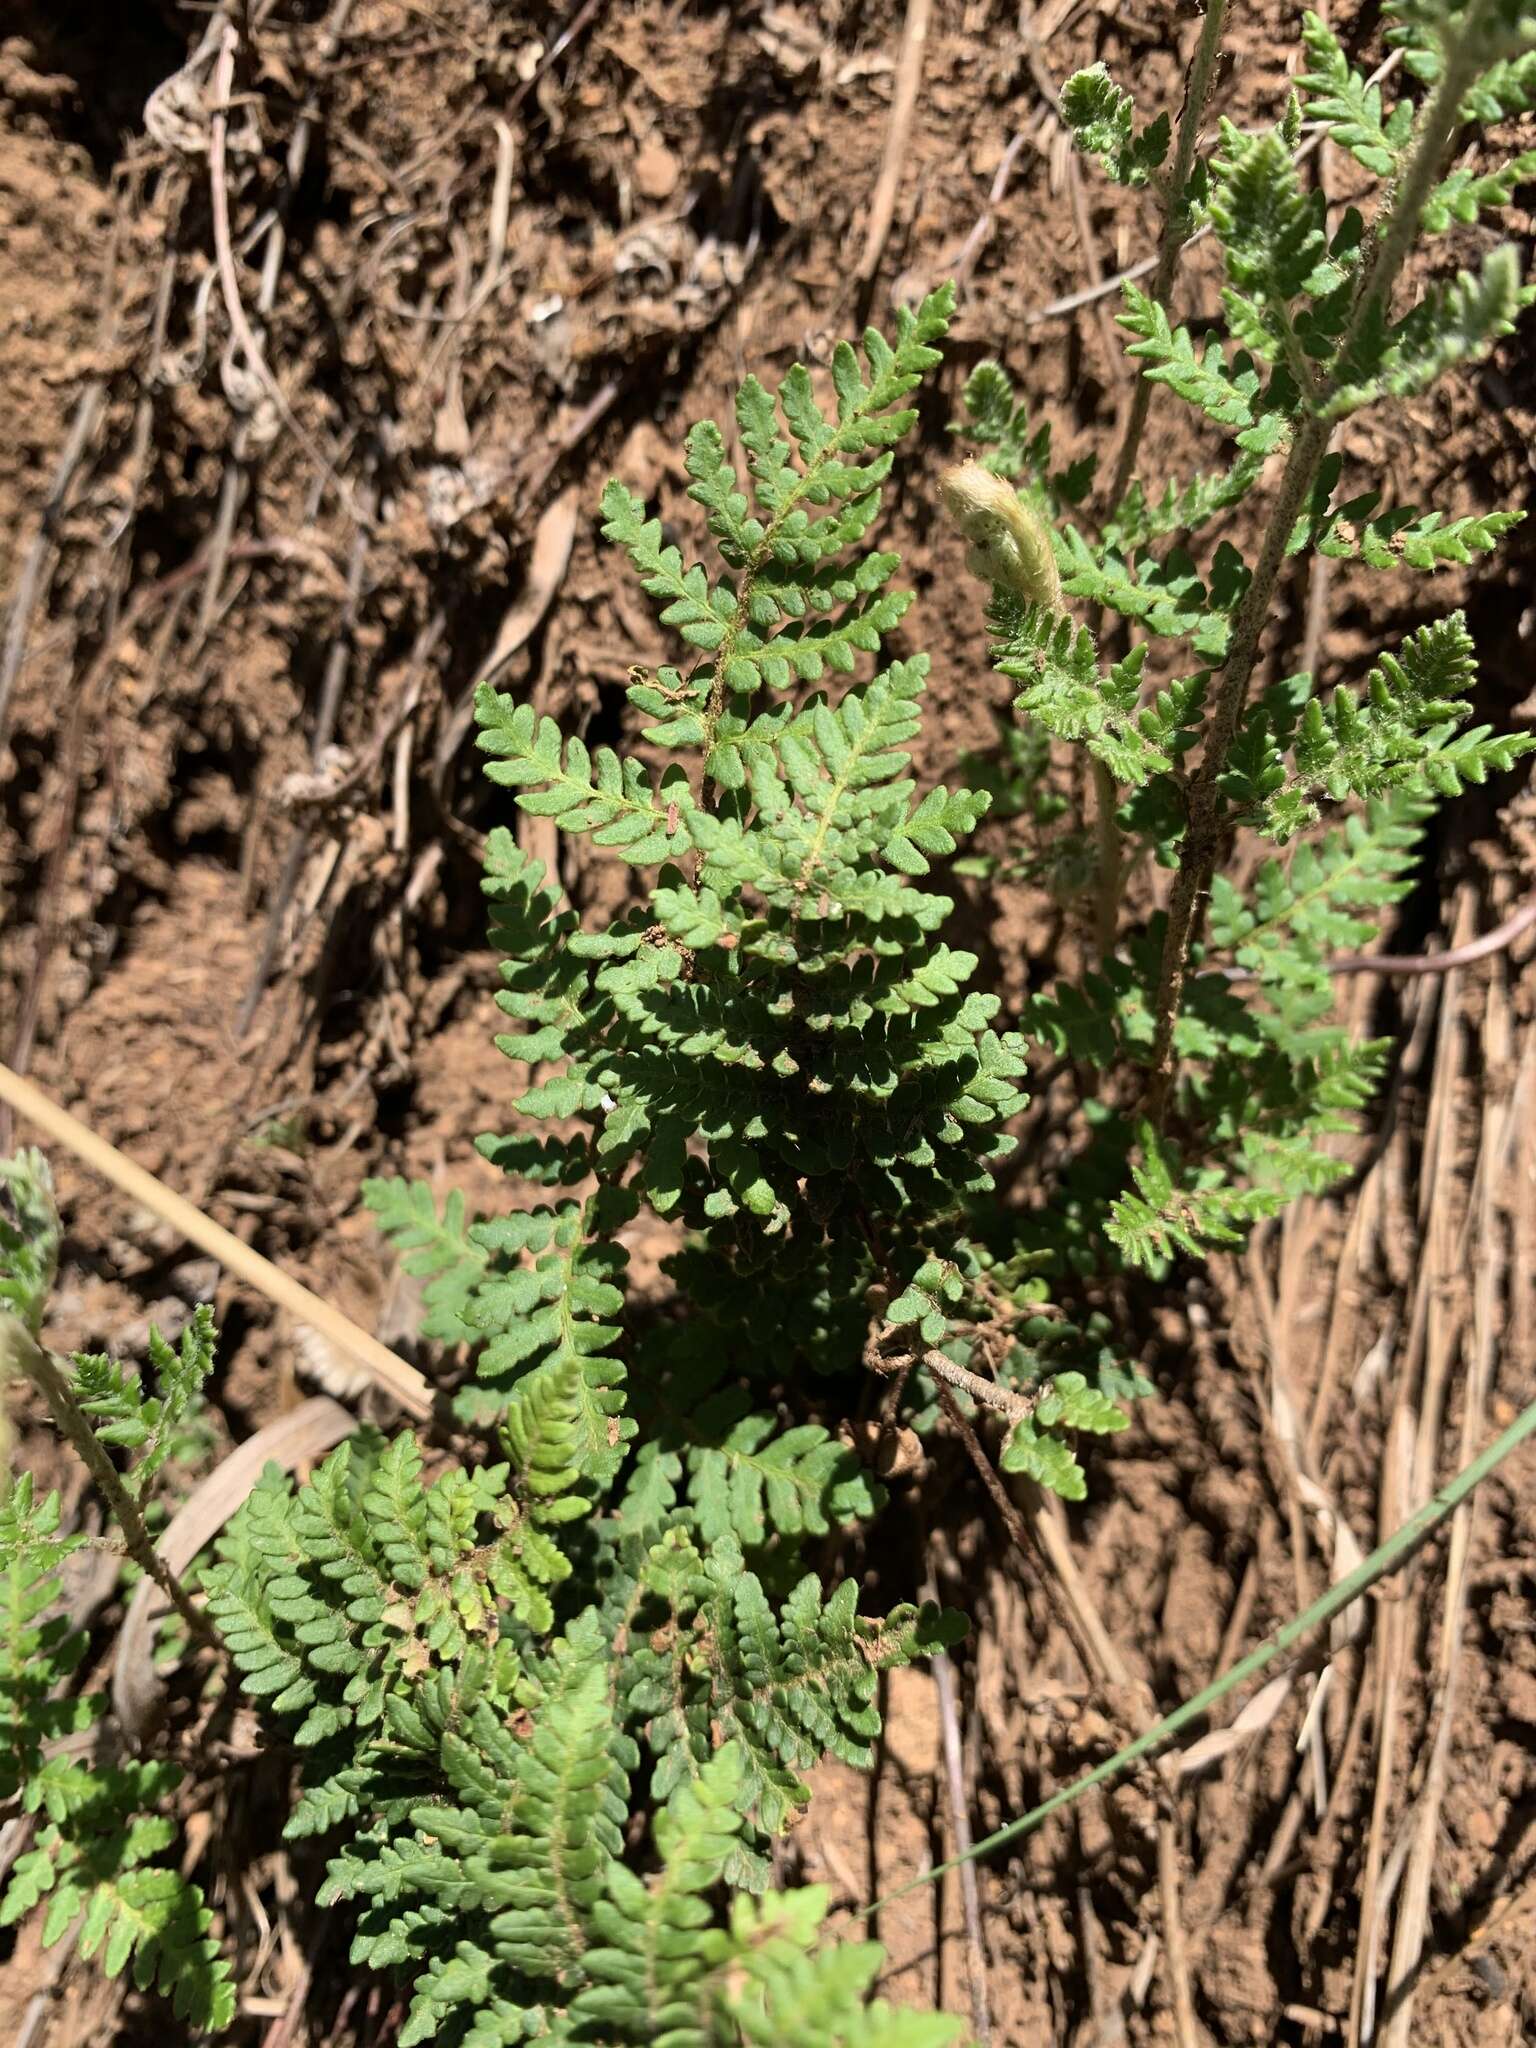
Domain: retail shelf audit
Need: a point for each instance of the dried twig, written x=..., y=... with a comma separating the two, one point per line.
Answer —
x=1077, y=195
x=50, y=928
x=281, y=2032
x=325, y=726
x=579, y=21
x=1389, y=1556
x=452, y=337
x=548, y=560
x=1176, y=222
x=531, y=484
x=88, y=411
x=1106, y=1664
x=1407, y=1479
x=1015, y=1406
x=1035, y=1529
x=981, y=230
x=882, y=205
x=1496, y=1922
x=960, y=1827
x=1413, y=1912
x=229, y=283
x=403, y=1382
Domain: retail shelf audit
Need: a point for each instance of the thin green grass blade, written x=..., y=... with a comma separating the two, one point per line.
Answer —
x=1387, y=1557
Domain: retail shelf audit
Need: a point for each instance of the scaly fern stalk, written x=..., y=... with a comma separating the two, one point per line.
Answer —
x=1097, y=112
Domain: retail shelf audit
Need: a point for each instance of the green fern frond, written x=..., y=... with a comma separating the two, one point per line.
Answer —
x=656, y=1942
x=127, y=1418
x=437, y=1249
x=1182, y=508
x=740, y=1471
x=1504, y=89
x=1327, y=899
x=542, y=1873
x=756, y=628
x=1037, y=1443
x=613, y=800
x=1102, y=118
x=1359, y=746
x=1270, y=227
x=1168, y=597
x=790, y=1686
x=1400, y=730
x=558, y=1310
x=334, y=1600
x=1452, y=323
x=127, y=1912
x=1403, y=537
x=1075, y=699
x=779, y=1989
x=999, y=422
x=1174, y=1211
x=1351, y=110
x=1047, y=1459
x=1233, y=394
x=38, y=1648
x=29, y=1237
x=89, y=1867
x=544, y=1432
x=1461, y=197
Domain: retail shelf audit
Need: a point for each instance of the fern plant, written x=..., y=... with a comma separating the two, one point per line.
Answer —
x=552, y=1697
x=775, y=1051
x=1211, y=1068
x=484, y=1678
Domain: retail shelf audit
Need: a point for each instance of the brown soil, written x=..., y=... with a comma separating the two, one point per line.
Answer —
x=687, y=191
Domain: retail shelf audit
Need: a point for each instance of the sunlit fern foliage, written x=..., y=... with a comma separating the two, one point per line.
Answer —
x=553, y=1695
x=1263, y=1078
x=475, y=1760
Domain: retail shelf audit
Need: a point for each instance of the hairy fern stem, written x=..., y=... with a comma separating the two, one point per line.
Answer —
x=1177, y=222
x=21, y=1352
